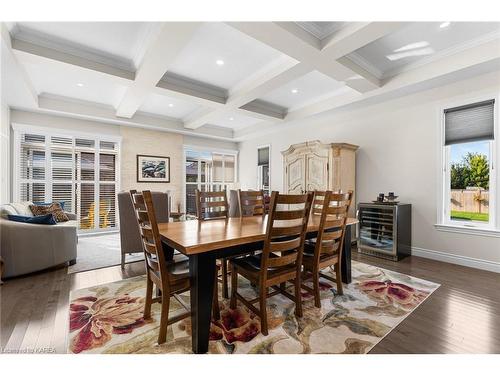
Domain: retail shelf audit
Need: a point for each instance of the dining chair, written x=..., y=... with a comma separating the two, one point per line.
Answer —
x=326, y=249
x=170, y=277
x=211, y=205
x=252, y=203
x=281, y=257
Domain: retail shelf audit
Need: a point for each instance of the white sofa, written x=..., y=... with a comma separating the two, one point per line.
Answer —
x=27, y=248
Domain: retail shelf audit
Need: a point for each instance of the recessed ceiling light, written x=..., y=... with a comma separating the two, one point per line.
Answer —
x=294, y=91
x=444, y=25
x=219, y=62
x=79, y=84
x=231, y=118
x=170, y=105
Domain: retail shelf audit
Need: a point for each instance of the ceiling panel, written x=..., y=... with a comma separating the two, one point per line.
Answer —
x=236, y=120
x=167, y=106
x=309, y=88
x=419, y=40
x=241, y=55
x=120, y=41
x=73, y=82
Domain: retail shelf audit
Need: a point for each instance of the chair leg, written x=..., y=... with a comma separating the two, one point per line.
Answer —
x=123, y=260
x=338, y=277
x=317, y=300
x=215, y=301
x=263, y=310
x=225, y=292
x=165, y=305
x=149, y=299
x=234, y=287
x=298, y=295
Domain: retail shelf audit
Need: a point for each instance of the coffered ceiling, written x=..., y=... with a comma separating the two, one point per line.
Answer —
x=230, y=80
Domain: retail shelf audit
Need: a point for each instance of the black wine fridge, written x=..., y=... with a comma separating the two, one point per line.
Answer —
x=385, y=230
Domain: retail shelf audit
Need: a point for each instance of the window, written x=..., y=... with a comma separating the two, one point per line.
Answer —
x=207, y=171
x=263, y=172
x=80, y=172
x=469, y=181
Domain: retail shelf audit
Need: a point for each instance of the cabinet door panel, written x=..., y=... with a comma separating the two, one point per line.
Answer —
x=296, y=175
x=316, y=172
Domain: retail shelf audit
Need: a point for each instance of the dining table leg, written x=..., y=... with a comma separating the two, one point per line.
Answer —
x=345, y=264
x=202, y=276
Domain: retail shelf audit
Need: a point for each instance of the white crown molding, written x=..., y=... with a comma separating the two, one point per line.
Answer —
x=26, y=35
x=365, y=64
x=183, y=84
x=461, y=260
x=319, y=33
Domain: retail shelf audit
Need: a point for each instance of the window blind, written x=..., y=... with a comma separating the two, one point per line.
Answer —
x=470, y=123
x=263, y=156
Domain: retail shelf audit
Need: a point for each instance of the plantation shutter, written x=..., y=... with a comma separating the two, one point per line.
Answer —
x=81, y=172
x=32, y=168
x=470, y=123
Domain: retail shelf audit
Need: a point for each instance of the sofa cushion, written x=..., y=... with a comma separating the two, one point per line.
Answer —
x=54, y=209
x=22, y=208
x=41, y=219
x=61, y=203
x=6, y=210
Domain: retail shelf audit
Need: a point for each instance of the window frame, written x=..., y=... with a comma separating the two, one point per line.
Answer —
x=208, y=181
x=259, y=178
x=48, y=132
x=444, y=221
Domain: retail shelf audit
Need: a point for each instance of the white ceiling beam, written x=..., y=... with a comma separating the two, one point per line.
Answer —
x=454, y=67
x=9, y=59
x=161, y=52
x=355, y=36
x=267, y=81
x=290, y=39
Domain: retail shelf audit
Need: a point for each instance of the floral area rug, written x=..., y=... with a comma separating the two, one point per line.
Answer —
x=108, y=318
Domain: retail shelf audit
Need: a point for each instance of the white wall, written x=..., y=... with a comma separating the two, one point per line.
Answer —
x=4, y=153
x=398, y=152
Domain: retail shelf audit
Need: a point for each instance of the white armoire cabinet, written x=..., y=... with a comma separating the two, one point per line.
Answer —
x=314, y=165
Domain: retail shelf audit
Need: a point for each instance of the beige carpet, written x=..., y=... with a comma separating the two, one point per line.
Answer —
x=108, y=318
x=100, y=251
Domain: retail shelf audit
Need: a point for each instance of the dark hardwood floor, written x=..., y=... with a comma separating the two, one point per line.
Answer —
x=462, y=316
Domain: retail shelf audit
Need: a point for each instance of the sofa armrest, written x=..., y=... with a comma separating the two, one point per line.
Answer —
x=28, y=248
x=71, y=216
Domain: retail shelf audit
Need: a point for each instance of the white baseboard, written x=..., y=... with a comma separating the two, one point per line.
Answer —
x=461, y=260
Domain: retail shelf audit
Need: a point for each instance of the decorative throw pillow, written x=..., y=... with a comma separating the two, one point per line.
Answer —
x=43, y=219
x=54, y=209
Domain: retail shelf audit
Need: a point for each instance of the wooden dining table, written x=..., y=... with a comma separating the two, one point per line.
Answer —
x=205, y=241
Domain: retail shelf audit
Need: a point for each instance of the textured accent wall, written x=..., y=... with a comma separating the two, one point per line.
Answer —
x=137, y=141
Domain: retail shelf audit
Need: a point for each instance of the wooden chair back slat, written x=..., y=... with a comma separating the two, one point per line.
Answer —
x=211, y=205
x=288, y=215
x=286, y=245
x=252, y=203
x=283, y=260
x=286, y=230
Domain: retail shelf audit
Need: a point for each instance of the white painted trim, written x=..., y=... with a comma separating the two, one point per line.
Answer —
x=18, y=127
x=477, y=231
x=461, y=260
